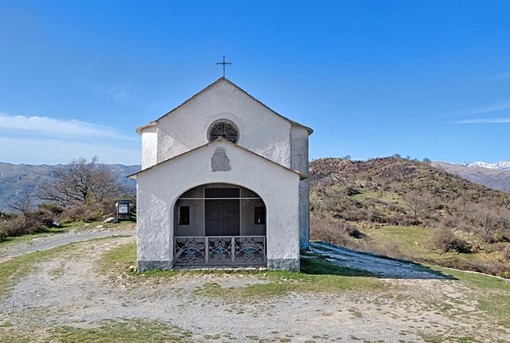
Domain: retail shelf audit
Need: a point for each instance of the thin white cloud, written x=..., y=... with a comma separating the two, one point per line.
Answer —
x=476, y=115
x=46, y=126
x=62, y=151
x=484, y=109
x=500, y=77
x=119, y=92
x=484, y=121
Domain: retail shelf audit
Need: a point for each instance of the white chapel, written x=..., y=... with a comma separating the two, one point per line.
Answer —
x=223, y=184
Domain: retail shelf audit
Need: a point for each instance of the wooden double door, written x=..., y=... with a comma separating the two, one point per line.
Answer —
x=222, y=211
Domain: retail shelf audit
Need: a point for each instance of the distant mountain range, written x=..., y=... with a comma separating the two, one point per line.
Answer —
x=492, y=175
x=18, y=180
x=500, y=165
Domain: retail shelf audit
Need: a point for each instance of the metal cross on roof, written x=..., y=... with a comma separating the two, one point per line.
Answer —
x=224, y=64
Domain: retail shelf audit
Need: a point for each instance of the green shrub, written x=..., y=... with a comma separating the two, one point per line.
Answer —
x=334, y=231
x=445, y=240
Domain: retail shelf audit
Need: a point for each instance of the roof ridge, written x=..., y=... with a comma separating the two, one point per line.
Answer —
x=310, y=130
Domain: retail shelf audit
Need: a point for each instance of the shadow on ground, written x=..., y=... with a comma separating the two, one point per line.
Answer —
x=366, y=264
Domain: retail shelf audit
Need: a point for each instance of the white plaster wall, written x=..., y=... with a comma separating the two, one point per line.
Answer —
x=260, y=129
x=149, y=146
x=248, y=226
x=299, y=141
x=159, y=188
x=153, y=229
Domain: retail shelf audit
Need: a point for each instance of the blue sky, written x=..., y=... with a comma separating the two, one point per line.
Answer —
x=372, y=78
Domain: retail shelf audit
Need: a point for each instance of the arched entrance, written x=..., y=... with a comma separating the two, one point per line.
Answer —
x=219, y=225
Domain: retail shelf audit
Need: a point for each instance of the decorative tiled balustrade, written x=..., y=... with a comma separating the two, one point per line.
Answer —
x=220, y=251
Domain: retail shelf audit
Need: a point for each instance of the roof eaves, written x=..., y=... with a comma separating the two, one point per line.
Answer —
x=141, y=128
x=219, y=140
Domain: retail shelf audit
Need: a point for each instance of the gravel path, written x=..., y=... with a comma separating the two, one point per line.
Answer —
x=69, y=290
x=55, y=240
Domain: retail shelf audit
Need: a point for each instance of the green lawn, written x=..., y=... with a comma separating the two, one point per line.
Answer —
x=415, y=242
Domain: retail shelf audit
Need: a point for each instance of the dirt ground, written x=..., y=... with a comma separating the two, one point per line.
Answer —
x=69, y=290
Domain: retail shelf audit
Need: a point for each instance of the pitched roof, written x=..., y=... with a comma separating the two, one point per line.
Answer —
x=153, y=123
x=219, y=140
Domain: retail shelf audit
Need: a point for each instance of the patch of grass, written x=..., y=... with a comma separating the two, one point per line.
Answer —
x=124, y=331
x=318, y=266
x=414, y=243
x=479, y=281
x=56, y=272
x=440, y=338
x=11, y=336
x=355, y=313
x=411, y=240
x=122, y=260
x=86, y=226
x=282, y=282
x=496, y=307
x=118, y=260
x=492, y=293
x=386, y=196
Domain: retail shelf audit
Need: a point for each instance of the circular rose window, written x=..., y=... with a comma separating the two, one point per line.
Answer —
x=225, y=129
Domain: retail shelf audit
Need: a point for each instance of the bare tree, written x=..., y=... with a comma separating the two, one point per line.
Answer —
x=23, y=206
x=416, y=203
x=82, y=182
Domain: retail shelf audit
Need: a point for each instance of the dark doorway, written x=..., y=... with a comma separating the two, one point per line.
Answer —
x=222, y=212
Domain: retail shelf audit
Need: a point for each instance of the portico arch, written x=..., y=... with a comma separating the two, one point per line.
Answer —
x=219, y=224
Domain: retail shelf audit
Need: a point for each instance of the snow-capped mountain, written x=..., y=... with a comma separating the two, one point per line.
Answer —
x=500, y=165
x=492, y=175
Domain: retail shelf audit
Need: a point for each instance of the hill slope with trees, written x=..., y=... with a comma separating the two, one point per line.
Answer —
x=17, y=181
x=409, y=209
x=38, y=198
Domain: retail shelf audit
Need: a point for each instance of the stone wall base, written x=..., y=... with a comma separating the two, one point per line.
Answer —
x=154, y=265
x=291, y=264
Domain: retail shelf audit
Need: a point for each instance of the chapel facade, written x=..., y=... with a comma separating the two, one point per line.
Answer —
x=224, y=182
